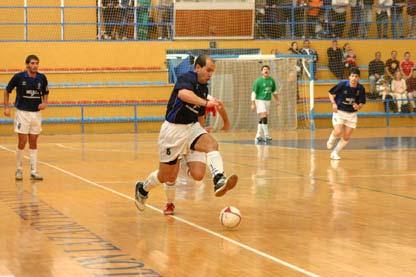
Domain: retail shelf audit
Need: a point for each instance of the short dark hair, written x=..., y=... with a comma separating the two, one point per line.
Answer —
x=355, y=70
x=268, y=67
x=31, y=57
x=201, y=60
x=407, y=52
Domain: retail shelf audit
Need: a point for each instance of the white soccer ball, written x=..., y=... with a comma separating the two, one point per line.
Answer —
x=230, y=217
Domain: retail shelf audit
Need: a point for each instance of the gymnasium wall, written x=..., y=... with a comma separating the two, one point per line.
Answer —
x=152, y=53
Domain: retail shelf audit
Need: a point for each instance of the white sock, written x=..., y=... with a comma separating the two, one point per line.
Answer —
x=341, y=144
x=265, y=129
x=170, y=191
x=215, y=163
x=33, y=157
x=259, y=130
x=332, y=137
x=19, y=159
x=151, y=182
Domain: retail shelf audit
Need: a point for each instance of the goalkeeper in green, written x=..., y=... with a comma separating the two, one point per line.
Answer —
x=263, y=89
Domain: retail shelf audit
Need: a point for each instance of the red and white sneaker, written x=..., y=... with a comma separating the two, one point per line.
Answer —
x=170, y=209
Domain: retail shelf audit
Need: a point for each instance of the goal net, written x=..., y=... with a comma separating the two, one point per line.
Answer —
x=233, y=81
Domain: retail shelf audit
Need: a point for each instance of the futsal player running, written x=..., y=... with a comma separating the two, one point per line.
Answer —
x=347, y=97
x=181, y=132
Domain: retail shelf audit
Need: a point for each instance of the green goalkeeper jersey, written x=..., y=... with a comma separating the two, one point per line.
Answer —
x=264, y=88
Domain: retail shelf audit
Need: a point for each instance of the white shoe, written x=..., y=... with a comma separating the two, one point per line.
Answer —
x=36, y=176
x=335, y=156
x=330, y=144
x=259, y=139
x=19, y=175
x=268, y=138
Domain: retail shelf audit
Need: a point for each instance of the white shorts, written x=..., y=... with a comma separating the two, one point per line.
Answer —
x=345, y=118
x=27, y=122
x=262, y=106
x=176, y=139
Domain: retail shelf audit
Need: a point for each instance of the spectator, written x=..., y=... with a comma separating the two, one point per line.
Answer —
x=406, y=66
x=392, y=66
x=411, y=88
x=397, y=18
x=163, y=18
x=356, y=8
x=399, y=90
x=335, y=60
x=349, y=58
x=339, y=16
x=382, y=17
x=295, y=50
x=109, y=16
x=367, y=15
x=306, y=50
x=411, y=12
x=313, y=16
x=300, y=21
x=284, y=17
x=375, y=71
x=126, y=17
x=270, y=17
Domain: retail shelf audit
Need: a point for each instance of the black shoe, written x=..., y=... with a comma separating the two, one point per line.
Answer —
x=222, y=184
x=141, y=196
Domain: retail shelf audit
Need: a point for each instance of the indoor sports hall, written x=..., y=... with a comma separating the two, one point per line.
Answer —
x=111, y=68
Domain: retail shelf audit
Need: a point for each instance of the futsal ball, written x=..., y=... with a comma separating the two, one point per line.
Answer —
x=230, y=217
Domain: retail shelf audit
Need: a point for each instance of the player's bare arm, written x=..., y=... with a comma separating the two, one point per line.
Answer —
x=334, y=105
x=44, y=103
x=6, y=104
x=190, y=97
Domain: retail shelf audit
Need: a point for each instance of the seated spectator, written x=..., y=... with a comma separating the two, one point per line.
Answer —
x=375, y=71
x=399, y=90
x=411, y=88
x=339, y=16
x=383, y=12
x=313, y=16
x=295, y=50
x=349, y=58
x=392, y=66
x=406, y=66
x=335, y=60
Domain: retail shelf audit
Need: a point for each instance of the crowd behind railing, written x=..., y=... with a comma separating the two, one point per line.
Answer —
x=274, y=19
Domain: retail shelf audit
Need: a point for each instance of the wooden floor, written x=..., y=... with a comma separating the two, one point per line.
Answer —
x=302, y=214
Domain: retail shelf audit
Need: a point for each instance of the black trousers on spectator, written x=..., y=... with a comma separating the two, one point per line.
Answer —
x=355, y=23
x=337, y=68
x=338, y=23
x=284, y=17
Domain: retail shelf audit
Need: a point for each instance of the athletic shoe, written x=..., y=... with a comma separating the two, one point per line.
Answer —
x=259, y=139
x=170, y=209
x=335, y=156
x=222, y=184
x=140, y=196
x=268, y=138
x=36, y=176
x=19, y=175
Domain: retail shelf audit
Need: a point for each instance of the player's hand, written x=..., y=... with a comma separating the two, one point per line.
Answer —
x=334, y=108
x=253, y=107
x=42, y=106
x=226, y=126
x=277, y=103
x=356, y=106
x=7, y=112
x=212, y=103
x=209, y=129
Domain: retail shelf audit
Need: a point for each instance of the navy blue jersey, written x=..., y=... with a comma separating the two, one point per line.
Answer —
x=28, y=90
x=346, y=96
x=180, y=112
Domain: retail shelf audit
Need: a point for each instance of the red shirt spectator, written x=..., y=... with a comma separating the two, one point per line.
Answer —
x=407, y=65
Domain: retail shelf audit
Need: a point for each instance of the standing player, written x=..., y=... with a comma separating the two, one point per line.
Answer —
x=193, y=165
x=347, y=98
x=263, y=88
x=31, y=97
x=181, y=132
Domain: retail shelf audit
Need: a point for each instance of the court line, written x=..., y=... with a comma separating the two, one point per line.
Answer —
x=242, y=245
